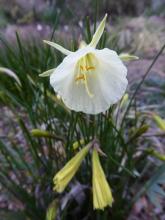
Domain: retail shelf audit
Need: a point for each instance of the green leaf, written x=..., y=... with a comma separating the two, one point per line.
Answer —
x=10, y=73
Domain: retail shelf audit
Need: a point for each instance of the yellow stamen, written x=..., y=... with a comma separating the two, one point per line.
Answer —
x=84, y=78
x=86, y=86
x=85, y=67
x=81, y=67
x=90, y=68
x=81, y=76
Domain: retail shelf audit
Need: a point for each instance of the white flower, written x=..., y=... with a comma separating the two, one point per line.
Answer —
x=89, y=80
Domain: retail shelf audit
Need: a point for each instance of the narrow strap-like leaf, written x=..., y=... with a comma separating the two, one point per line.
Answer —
x=10, y=73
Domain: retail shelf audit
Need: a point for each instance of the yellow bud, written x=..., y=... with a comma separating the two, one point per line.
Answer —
x=159, y=121
x=102, y=195
x=127, y=57
x=40, y=133
x=139, y=131
x=76, y=144
x=64, y=176
x=124, y=100
x=52, y=210
x=156, y=154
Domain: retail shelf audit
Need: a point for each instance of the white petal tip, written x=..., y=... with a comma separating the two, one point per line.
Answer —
x=98, y=33
x=57, y=47
x=105, y=18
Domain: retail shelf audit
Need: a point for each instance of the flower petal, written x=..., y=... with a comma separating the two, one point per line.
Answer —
x=58, y=47
x=98, y=33
x=47, y=73
x=107, y=82
x=74, y=95
x=112, y=77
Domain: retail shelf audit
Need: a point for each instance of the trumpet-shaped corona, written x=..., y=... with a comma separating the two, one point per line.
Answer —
x=89, y=80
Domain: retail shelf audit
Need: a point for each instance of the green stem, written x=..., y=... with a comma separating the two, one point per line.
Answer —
x=125, y=169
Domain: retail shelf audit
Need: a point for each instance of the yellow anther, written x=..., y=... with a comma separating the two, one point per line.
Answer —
x=90, y=68
x=81, y=67
x=81, y=76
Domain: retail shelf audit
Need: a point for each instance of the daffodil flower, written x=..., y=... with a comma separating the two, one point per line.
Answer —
x=89, y=80
x=64, y=176
x=102, y=195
